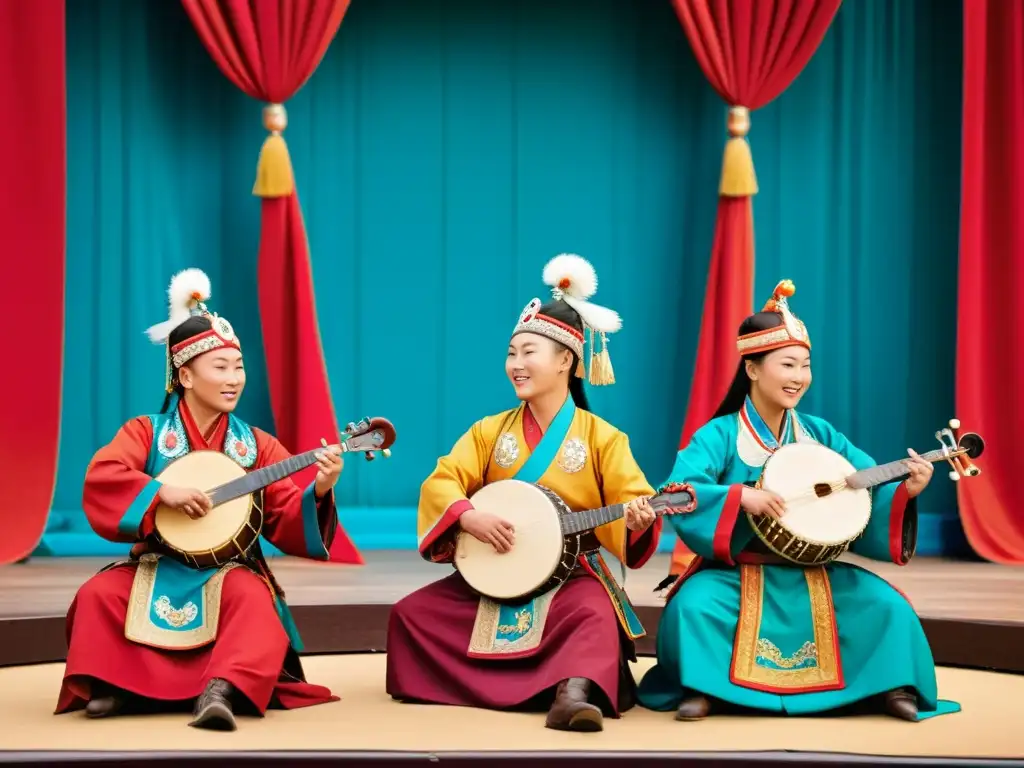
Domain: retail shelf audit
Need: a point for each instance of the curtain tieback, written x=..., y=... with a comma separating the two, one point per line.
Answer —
x=738, y=179
x=274, y=177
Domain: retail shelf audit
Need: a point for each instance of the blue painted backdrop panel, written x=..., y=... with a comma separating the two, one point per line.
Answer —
x=444, y=151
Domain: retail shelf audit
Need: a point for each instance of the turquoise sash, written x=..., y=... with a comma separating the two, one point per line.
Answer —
x=540, y=459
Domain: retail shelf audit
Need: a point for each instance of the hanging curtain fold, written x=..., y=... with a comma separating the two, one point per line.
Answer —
x=989, y=369
x=32, y=223
x=750, y=52
x=269, y=49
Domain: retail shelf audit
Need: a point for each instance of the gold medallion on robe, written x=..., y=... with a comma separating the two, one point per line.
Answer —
x=573, y=456
x=506, y=450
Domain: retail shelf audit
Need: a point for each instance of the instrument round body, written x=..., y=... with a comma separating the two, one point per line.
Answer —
x=542, y=555
x=823, y=517
x=226, y=531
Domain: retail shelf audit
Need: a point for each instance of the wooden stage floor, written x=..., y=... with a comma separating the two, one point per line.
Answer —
x=973, y=614
x=946, y=589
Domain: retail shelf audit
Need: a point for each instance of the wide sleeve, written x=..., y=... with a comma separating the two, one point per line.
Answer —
x=714, y=530
x=891, y=535
x=294, y=520
x=118, y=497
x=444, y=495
x=622, y=481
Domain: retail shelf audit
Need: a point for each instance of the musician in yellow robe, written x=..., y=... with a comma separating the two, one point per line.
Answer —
x=745, y=628
x=568, y=648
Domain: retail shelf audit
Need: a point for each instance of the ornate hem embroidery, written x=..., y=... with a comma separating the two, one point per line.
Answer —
x=140, y=628
x=757, y=663
x=509, y=630
x=620, y=601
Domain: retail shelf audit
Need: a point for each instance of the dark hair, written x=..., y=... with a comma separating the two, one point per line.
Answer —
x=559, y=310
x=740, y=387
x=192, y=327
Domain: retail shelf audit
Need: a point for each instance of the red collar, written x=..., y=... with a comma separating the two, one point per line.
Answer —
x=195, y=437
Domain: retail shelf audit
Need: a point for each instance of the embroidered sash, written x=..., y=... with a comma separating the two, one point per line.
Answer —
x=788, y=643
x=509, y=631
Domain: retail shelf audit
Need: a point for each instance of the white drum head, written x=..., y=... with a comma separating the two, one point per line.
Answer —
x=538, y=542
x=203, y=470
x=792, y=473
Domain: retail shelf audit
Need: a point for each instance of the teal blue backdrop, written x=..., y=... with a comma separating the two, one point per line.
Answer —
x=444, y=151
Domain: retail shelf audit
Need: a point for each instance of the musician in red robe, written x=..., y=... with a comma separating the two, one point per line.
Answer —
x=568, y=648
x=151, y=631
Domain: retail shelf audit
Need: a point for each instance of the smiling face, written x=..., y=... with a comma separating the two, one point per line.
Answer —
x=536, y=365
x=781, y=377
x=216, y=379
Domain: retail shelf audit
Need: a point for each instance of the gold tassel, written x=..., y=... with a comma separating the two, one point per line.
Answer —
x=738, y=179
x=274, y=175
x=581, y=371
x=601, y=372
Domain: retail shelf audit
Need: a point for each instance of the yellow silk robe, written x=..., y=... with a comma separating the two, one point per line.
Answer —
x=593, y=467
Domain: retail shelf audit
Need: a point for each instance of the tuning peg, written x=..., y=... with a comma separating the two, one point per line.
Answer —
x=954, y=476
x=954, y=423
x=351, y=428
x=387, y=453
x=323, y=441
x=370, y=456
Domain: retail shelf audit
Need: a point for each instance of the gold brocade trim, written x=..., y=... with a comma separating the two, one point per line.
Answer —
x=827, y=672
x=140, y=629
x=530, y=618
x=619, y=599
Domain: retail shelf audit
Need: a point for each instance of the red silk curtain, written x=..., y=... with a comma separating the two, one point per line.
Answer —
x=32, y=199
x=750, y=51
x=990, y=369
x=269, y=49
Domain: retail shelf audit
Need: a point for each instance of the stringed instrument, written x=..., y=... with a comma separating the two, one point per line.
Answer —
x=828, y=502
x=548, y=537
x=235, y=522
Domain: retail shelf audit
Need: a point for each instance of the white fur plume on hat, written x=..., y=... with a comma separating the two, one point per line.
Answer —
x=189, y=289
x=573, y=280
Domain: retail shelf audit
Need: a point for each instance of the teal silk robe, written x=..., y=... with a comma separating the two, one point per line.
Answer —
x=782, y=638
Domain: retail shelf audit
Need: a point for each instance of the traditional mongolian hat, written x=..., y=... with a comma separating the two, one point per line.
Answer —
x=779, y=326
x=569, y=316
x=191, y=329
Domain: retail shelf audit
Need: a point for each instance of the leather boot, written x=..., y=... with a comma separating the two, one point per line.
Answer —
x=106, y=701
x=694, y=708
x=571, y=711
x=902, y=704
x=213, y=708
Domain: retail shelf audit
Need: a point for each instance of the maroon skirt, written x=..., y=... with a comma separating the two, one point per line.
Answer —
x=429, y=635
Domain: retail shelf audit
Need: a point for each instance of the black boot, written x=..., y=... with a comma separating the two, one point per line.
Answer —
x=901, y=704
x=105, y=701
x=571, y=711
x=213, y=708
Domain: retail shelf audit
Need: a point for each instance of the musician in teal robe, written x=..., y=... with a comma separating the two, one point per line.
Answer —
x=744, y=628
x=566, y=649
x=152, y=630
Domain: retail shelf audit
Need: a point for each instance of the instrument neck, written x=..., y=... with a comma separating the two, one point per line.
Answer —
x=884, y=473
x=577, y=522
x=261, y=478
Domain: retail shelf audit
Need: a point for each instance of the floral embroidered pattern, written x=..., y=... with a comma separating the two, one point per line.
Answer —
x=506, y=451
x=573, y=457
x=524, y=619
x=176, y=617
x=769, y=655
x=240, y=444
x=172, y=442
